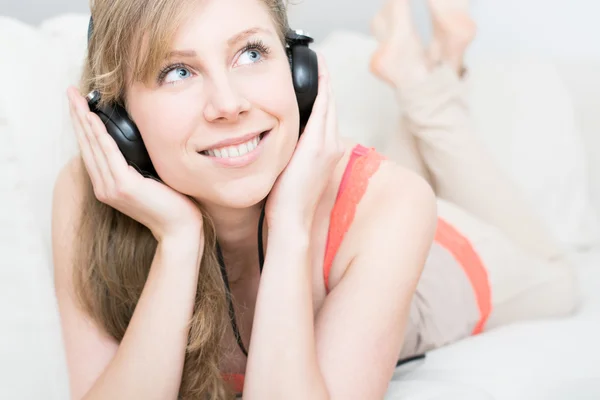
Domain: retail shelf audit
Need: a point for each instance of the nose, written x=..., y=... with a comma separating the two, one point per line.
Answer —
x=224, y=102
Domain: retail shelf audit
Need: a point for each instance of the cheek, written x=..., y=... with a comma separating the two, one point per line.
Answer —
x=273, y=92
x=164, y=122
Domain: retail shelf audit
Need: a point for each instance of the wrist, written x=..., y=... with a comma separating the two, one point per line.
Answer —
x=184, y=238
x=290, y=221
x=191, y=229
x=288, y=234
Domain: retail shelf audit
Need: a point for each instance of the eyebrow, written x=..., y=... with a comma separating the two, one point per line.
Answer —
x=245, y=34
x=233, y=40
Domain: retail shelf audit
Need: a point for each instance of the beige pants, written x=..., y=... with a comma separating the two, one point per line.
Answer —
x=528, y=275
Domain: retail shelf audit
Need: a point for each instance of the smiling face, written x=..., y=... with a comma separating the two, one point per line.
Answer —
x=220, y=120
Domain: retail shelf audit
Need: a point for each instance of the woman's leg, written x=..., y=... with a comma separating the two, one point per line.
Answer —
x=526, y=273
x=476, y=279
x=392, y=27
x=431, y=92
x=522, y=286
x=526, y=281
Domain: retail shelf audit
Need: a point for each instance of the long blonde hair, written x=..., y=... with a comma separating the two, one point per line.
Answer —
x=115, y=252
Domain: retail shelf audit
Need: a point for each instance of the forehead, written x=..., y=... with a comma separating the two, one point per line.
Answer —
x=217, y=21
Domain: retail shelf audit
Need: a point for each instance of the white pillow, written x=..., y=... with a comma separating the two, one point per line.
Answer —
x=521, y=111
x=583, y=81
x=524, y=114
x=408, y=388
x=9, y=185
x=33, y=362
x=38, y=64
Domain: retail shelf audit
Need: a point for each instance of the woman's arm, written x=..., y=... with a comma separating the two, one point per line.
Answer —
x=360, y=328
x=350, y=350
x=282, y=359
x=149, y=361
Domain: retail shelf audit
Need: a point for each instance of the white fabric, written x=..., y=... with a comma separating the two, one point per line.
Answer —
x=583, y=81
x=538, y=360
x=32, y=363
x=37, y=66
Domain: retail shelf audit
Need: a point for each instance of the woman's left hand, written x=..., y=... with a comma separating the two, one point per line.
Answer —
x=298, y=189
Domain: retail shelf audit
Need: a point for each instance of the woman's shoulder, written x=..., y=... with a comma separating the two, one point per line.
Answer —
x=67, y=204
x=386, y=182
x=385, y=197
x=69, y=185
x=391, y=190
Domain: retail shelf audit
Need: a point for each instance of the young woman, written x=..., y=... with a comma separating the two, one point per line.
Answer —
x=162, y=289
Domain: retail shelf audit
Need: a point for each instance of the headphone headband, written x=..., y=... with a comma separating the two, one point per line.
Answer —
x=294, y=37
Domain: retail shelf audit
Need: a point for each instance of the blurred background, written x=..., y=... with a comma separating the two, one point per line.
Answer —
x=552, y=27
x=535, y=102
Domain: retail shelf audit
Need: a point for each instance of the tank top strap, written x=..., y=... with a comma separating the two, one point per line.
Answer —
x=362, y=164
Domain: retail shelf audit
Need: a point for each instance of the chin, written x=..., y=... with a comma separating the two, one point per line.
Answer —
x=241, y=193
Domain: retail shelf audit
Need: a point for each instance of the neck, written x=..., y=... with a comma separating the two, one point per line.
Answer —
x=237, y=234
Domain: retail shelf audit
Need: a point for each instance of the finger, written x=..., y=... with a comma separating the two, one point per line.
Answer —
x=79, y=102
x=94, y=135
x=331, y=130
x=116, y=161
x=104, y=175
x=319, y=111
x=330, y=125
x=84, y=145
x=331, y=135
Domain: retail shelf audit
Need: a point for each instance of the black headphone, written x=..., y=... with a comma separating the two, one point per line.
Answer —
x=305, y=76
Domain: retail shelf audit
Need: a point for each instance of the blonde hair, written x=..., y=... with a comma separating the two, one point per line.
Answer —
x=115, y=252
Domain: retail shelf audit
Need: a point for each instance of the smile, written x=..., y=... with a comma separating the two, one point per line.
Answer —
x=237, y=150
x=239, y=154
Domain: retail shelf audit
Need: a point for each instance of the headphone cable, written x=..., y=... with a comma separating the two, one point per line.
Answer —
x=261, y=261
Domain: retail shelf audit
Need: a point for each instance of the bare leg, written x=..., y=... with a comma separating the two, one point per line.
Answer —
x=435, y=111
x=453, y=31
x=400, y=59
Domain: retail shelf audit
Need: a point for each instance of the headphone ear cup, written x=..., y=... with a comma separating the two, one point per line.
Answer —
x=305, y=75
x=127, y=136
x=122, y=129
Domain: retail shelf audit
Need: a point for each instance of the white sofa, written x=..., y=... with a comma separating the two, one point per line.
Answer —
x=539, y=119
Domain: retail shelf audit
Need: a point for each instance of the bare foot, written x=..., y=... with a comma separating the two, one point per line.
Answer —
x=453, y=31
x=400, y=58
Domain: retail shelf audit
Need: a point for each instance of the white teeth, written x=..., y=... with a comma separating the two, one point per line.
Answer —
x=234, y=151
x=243, y=149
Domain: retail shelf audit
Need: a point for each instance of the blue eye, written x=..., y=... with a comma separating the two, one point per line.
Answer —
x=253, y=56
x=175, y=74
x=254, y=52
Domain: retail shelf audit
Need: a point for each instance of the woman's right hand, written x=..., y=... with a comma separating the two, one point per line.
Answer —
x=160, y=208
